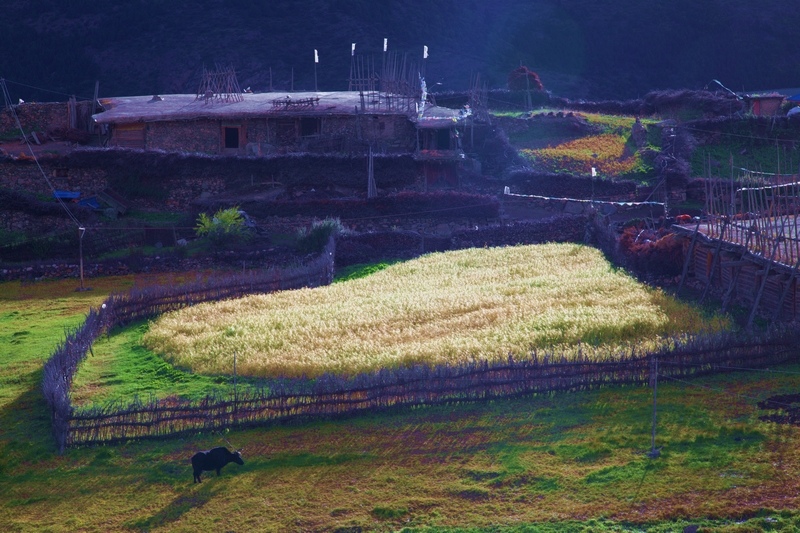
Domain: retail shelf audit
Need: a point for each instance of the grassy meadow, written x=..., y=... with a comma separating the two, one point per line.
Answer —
x=551, y=463
x=443, y=308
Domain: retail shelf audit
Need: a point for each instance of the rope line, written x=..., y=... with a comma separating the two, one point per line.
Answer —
x=45, y=90
x=7, y=97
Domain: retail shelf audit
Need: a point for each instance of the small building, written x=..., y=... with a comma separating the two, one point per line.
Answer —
x=262, y=123
x=765, y=104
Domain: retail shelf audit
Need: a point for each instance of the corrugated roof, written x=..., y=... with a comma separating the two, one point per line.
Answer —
x=171, y=107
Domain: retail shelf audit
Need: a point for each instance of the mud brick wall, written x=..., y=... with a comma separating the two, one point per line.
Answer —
x=262, y=136
x=35, y=116
x=201, y=136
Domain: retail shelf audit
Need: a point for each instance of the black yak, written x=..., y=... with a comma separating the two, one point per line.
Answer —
x=214, y=459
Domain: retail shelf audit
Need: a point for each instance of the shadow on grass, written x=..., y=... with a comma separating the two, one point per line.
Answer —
x=301, y=460
x=175, y=509
x=25, y=421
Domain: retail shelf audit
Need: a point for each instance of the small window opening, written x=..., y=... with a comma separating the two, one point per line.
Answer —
x=310, y=126
x=231, y=137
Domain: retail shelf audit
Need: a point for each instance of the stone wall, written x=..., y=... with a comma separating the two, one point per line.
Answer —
x=138, y=173
x=39, y=117
x=201, y=136
x=390, y=244
x=283, y=134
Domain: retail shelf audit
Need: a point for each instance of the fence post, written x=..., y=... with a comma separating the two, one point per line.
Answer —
x=654, y=383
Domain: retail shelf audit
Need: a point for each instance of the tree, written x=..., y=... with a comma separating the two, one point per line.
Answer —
x=524, y=79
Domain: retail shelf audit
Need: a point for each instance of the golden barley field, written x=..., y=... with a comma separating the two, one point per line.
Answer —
x=446, y=307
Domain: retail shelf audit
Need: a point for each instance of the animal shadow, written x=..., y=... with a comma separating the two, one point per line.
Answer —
x=176, y=509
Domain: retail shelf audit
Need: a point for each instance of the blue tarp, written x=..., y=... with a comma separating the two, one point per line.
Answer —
x=66, y=195
x=90, y=202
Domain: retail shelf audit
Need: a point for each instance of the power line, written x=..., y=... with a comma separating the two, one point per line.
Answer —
x=46, y=90
x=7, y=97
x=776, y=139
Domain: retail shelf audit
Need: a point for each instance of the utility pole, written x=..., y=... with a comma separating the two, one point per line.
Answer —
x=81, y=233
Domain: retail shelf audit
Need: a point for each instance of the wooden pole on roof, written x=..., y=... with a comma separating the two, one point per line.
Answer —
x=94, y=105
x=316, y=60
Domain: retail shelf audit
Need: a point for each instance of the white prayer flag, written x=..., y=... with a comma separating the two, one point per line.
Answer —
x=594, y=172
x=353, y=49
x=425, y=52
x=316, y=56
x=385, y=43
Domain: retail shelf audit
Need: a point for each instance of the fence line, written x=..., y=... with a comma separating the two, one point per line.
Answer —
x=60, y=368
x=330, y=395
x=333, y=396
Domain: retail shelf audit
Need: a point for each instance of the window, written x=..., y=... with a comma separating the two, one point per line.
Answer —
x=231, y=137
x=310, y=126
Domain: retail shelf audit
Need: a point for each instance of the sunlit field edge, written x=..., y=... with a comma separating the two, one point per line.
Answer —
x=443, y=308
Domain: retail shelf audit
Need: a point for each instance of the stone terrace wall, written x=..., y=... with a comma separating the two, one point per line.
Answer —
x=201, y=136
x=569, y=186
x=40, y=117
x=174, y=180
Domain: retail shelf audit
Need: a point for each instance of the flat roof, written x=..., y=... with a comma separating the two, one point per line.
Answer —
x=172, y=107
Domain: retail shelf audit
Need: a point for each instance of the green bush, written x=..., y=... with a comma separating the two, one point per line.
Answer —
x=314, y=240
x=226, y=227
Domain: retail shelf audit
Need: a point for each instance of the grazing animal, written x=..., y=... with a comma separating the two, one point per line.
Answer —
x=214, y=459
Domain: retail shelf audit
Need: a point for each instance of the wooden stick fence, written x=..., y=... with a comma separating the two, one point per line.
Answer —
x=331, y=396
x=59, y=370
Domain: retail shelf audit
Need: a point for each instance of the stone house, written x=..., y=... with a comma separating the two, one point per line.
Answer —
x=261, y=124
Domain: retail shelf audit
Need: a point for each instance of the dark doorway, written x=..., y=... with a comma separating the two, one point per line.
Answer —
x=442, y=139
x=231, y=137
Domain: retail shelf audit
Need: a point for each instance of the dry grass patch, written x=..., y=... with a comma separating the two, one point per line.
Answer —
x=444, y=308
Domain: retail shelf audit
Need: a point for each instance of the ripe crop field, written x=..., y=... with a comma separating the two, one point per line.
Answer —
x=444, y=308
x=610, y=154
x=553, y=463
x=610, y=150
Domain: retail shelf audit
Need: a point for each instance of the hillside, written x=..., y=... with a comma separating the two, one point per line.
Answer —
x=605, y=50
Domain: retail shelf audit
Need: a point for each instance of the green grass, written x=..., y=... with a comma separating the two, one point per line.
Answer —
x=742, y=155
x=158, y=218
x=120, y=368
x=352, y=272
x=561, y=462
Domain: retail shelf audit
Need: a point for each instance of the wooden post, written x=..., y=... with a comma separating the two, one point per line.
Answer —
x=688, y=258
x=735, y=276
x=763, y=284
x=792, y=276
x=715, y=260
x=654, y=381
x=94, y=105
x=81, y=233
